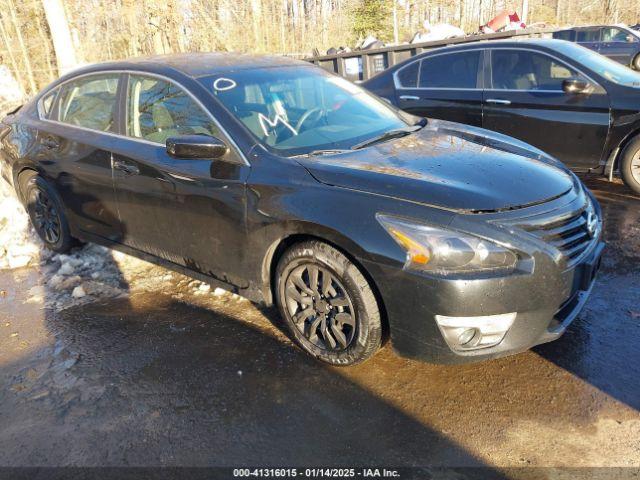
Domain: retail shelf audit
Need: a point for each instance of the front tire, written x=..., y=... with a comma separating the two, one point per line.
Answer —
x=630, y=165
x=327, y=304
x=46, y=212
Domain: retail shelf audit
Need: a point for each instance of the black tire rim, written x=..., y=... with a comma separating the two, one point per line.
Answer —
x=45, y=216
x=320, y=307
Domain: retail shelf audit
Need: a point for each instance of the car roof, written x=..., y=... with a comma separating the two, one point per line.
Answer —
x=193, y=64
x=593, y=27
x=549, y=43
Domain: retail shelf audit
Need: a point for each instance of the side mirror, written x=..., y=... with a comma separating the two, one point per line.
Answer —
x=574, y=86
x=631, y=38
x=196, y=147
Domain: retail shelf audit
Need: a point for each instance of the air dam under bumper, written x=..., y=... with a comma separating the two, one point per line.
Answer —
x=546, y=302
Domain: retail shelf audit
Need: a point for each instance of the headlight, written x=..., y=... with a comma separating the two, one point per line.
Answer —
x=443, y=251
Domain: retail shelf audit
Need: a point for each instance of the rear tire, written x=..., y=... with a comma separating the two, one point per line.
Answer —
x=327, y=304
x=46, y=212
x=630, y=165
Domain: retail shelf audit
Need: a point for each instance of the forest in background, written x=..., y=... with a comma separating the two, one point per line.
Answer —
x=39, y=39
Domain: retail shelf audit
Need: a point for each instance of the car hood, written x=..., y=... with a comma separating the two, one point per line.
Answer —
x=451, y=166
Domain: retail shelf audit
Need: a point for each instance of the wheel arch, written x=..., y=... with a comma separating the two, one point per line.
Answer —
x=344, y=245
x=18, y=172
x=616, y=156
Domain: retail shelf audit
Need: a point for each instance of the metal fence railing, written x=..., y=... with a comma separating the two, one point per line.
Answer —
x=361, y=65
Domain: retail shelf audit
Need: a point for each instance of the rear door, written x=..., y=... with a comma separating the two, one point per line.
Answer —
x=446, y=86
x=619, y=45
x=79, y=120
x=589, y=38
x=190, y=212
x=524, y=98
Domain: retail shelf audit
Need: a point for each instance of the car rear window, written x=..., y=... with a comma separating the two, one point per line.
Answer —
x=452, y=70
x=564, y=35
x=89, y=102
x=408, y=76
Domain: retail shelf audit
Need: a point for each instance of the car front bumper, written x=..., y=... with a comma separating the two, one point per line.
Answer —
x=546, y=302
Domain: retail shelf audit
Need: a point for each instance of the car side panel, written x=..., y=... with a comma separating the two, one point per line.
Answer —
x=78, y=163
x=621, y=52
x=461, y=106
x=190, y=212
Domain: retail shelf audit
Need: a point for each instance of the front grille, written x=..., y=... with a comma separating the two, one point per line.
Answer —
x=571, y=234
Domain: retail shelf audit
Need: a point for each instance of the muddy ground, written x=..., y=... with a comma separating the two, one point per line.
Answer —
x=141, y=366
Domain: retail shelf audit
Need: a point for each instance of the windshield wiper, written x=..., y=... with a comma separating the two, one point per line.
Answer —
x=324, y=151
x=396, y=133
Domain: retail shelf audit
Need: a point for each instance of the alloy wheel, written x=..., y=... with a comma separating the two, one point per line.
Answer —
x=45, y=216
x=320, y=307
x=635, y=167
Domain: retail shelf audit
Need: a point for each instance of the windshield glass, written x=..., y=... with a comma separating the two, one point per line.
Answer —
x=611, y=70
x=298, y=110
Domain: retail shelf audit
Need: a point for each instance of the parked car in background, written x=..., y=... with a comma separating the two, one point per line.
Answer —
x=618, y=42
x=274, y=179
x=574, y=104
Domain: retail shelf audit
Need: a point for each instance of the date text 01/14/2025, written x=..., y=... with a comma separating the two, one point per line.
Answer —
x=316, y=473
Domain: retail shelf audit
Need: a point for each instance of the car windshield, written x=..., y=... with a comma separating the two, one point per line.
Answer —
x=300, y=110
x=605, y=67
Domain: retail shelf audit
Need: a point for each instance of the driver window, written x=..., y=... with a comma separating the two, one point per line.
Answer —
x=525, y=70
x=614, y=35
x=158, y=109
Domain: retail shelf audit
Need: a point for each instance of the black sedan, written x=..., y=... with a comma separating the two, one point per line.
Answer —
x=578, y=106
x=618, y=42
x=273, y=179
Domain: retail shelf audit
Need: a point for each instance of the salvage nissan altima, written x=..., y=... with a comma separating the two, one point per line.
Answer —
x=276, y=180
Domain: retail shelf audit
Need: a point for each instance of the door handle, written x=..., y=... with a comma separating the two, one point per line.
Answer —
x=50, y=143
x=126, y=168
x=498, y=101
x=411, y=98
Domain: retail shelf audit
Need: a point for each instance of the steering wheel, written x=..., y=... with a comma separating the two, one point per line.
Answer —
x=317, y=111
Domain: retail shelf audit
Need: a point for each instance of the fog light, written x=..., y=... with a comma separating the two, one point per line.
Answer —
x=470, y=333
x=467, y=337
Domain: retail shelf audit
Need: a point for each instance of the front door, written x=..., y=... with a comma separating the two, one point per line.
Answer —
x=619, y=45
x=444, y=86
x=525, y=100
x=190, y=212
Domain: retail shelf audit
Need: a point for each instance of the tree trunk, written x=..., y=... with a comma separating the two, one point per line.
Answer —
x=395, y=23
x=14, y=64
x=47, y=50
x=60, y=35
x=23, y=48
x=525, y=11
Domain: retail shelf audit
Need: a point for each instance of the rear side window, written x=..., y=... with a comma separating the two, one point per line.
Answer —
x=157, y=110
x=454, y=70
x=46, y=103
x=588, y=36
x=89, y=103
x=564, y=35
x=526, y=70
x=408, y=76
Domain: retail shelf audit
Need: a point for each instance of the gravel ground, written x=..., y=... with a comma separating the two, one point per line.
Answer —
x=106, y=360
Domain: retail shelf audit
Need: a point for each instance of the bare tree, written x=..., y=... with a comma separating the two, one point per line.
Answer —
x=60, y=35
